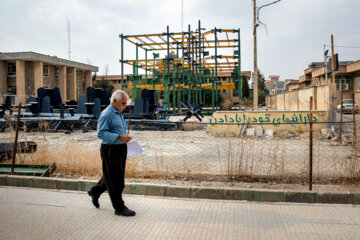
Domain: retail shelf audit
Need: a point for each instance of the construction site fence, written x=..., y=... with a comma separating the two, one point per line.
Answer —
x=191, y=152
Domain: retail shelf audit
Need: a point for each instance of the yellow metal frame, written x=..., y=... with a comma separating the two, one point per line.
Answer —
x=157, y=42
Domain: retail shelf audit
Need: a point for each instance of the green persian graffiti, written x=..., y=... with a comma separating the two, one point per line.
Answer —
x=241, y=118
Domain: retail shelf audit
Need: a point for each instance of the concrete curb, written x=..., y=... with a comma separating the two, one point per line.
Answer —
x=188, y=192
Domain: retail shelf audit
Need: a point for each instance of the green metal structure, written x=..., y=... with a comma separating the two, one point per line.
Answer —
x=190, y=69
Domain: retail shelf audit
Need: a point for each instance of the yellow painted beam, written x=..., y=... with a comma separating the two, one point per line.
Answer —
x=144, y=35
x=160, y=86
x=227, y=30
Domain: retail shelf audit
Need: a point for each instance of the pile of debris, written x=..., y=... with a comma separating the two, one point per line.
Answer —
x=254, y=131
x=333, y=134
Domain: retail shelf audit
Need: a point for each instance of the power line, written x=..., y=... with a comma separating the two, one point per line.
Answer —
x=350, y=54
x=257, y=13
x=343, y=46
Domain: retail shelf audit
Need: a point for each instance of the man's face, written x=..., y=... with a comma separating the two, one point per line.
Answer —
x=120, y=105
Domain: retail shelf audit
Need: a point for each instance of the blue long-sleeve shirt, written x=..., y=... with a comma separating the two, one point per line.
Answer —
x=110, y=124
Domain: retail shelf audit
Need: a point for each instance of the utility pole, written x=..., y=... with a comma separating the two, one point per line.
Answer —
x=341, y=87
x=255, y=89
x=332, y=59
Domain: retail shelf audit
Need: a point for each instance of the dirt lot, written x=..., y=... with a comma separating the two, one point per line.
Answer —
x=199, y=158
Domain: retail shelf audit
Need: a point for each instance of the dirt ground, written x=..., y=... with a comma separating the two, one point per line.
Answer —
x=198, y=158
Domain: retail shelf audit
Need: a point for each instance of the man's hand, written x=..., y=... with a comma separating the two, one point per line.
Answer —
x=125, y=138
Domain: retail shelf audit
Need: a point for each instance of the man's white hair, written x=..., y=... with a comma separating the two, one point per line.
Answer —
x=118, y=95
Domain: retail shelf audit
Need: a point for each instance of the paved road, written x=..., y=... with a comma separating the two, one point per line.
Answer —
x=51, y=214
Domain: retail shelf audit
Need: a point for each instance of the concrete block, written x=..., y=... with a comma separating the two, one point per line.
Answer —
x=304, y=197
x=340, y=198
x=238, y=194
x=178, y=191
x=208, y=193
x=43, y=182
x=68, y=184
x=259, y=131
x=269, y=133
x=269, y=196
x=3, y=180
x=148, y=189
x=19, y=181
x=250, y=131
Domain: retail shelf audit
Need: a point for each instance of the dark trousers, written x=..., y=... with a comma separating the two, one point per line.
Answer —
x=113, y=165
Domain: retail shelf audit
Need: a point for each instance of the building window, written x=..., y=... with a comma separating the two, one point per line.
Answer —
x=11, y=69
x=346, y=82
x=12, y=90
x=56, y=73
x=77, y=93
x=46, y=70
x=357, y=79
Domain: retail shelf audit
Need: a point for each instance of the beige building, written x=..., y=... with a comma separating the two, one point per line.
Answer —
x=315, y=76
x=272, y=84
x=22, y=73
x=319, y=83
x=232, y=95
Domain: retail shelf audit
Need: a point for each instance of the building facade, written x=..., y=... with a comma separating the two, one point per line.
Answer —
x=322, y=85
x=272, y=84
x=317, y=75
x=22, y=73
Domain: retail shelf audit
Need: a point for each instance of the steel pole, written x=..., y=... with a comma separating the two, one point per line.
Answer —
x=212, y=91
x=200, y=70
x=16, y=141
x=310, y=145
x=216, y=74
x=239, y=70
x=146, y=70
x=354, y=124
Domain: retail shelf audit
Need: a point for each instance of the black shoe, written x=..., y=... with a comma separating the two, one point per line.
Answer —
x=125, y=212
x=94, y=199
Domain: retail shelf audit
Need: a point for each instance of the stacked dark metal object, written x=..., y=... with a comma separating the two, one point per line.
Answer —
x=46, y=112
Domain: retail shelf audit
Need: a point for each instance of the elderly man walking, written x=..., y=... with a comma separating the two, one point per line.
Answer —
x=111, y=129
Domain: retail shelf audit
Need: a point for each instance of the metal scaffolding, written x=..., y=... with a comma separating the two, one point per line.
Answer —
x=189, y=70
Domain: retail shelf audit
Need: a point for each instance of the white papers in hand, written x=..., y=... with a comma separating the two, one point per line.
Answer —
x=133, y=148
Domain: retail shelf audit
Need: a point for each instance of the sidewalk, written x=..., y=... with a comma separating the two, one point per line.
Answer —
x=31, y=213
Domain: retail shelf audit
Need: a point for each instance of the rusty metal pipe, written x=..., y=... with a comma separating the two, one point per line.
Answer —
x=354, y=124
x=16, y=139
x=310, y=145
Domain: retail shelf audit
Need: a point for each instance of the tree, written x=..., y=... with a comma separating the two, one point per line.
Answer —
x=261, y=82
x=106, y=70
x=172, y=56
x=245, y=91
x=104, y=85
x=262, y=90
x=94, y=78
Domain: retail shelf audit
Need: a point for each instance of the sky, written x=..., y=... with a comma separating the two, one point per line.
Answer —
x=295, y=36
